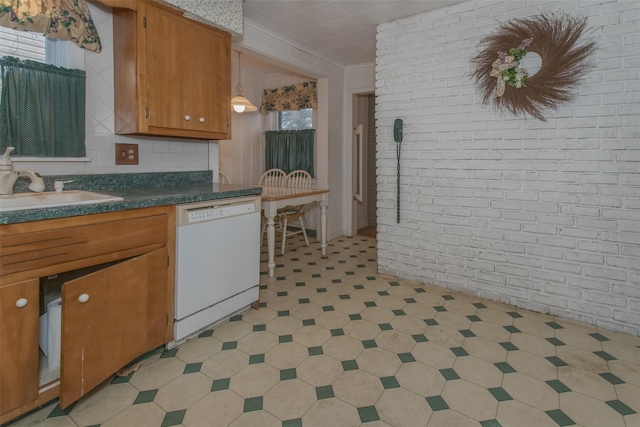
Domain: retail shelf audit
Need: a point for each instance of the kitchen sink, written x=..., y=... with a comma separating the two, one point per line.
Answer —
x=52, y=199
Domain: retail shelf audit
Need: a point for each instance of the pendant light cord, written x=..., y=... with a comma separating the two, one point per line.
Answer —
x=239, y=85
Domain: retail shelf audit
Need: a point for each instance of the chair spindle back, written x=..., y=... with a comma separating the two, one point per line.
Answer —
x=298, y=179
x=273, y=178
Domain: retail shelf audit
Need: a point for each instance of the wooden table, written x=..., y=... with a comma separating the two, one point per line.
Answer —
x=274, y=198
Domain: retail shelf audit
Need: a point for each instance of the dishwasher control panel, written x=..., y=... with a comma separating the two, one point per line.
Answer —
x=212, y=212
x=208, y=211
x=203, y=214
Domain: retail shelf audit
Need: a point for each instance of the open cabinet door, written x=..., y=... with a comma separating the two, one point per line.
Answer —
x=110, y=317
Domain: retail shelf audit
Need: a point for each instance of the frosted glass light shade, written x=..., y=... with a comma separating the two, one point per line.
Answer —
x=241, y=104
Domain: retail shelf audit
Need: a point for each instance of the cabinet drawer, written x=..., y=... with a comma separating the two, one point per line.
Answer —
x=37, y=249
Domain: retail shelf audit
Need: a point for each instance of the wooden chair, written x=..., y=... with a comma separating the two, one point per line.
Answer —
x=273, y=178
x=298, y=179
x=223, y=178
x=295, y=179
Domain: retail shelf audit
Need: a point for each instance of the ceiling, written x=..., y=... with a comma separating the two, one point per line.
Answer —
x=342, y=31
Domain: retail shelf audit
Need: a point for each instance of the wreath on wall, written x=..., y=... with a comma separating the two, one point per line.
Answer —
x=505, y=85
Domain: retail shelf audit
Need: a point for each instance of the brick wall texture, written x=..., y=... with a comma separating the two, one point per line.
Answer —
x=541, y=215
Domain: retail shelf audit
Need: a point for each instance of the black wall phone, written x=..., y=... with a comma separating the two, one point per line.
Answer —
x=397, y=136
x=397, y=130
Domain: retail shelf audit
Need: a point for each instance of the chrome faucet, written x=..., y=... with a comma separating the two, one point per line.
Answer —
x=8, y=176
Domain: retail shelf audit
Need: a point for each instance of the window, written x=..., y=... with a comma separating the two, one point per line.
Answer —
x=63, y=139
x=290, y=150
x=295, y=120
x=22, y=44
x=291, y=147
x=36, y=47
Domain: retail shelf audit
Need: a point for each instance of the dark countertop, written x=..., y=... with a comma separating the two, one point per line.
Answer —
x=138, y=191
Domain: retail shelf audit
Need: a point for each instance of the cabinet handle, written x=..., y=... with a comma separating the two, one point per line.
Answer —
x=201, y=120
x=187, y=118
x=21, y=302
x=83, y=298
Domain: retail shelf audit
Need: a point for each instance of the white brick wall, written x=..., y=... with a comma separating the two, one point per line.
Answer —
x=542, y=215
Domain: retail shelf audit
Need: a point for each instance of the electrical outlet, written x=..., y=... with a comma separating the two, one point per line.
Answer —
x=127, y=154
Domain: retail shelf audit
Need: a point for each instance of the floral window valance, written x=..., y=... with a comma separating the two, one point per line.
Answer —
x=290, y=98
x=56, y=19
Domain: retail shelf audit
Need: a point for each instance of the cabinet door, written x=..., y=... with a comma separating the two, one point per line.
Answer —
x=19, y=309
x=188, y=74
x=167, y=69
x=211, y=77
x=109, y=318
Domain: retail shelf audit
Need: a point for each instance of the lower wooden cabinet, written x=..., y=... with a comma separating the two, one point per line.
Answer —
x=117, y=303
x=109, y=318
x=18, y=344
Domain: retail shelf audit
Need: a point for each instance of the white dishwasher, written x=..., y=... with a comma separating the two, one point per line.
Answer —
x=217, y=262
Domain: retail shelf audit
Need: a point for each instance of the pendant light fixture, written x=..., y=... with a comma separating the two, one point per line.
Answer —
x=239, y=103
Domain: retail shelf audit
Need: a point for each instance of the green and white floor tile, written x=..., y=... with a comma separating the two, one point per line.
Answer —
x=336, y=344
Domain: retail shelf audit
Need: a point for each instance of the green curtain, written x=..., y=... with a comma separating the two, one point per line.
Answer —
x=290, y=150
x=42, y=109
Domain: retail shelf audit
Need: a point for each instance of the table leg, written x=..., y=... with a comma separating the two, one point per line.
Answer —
x=271, y=245
x=323, y=226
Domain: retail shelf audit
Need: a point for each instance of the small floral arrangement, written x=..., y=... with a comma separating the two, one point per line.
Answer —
x=506, y=68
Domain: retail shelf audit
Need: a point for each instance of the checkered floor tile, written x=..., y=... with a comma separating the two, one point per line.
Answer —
x=336, y=344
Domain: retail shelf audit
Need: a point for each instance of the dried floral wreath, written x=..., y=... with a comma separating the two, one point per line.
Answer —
x=506, y=86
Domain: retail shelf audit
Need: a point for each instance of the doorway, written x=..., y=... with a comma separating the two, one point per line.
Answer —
x=364, y=167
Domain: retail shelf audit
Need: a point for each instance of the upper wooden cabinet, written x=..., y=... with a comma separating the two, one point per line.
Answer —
x=172, y=75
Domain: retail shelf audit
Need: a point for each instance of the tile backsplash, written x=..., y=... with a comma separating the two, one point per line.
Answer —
x=156, y=154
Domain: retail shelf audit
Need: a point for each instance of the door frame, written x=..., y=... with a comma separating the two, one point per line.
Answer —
x=350, y=108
